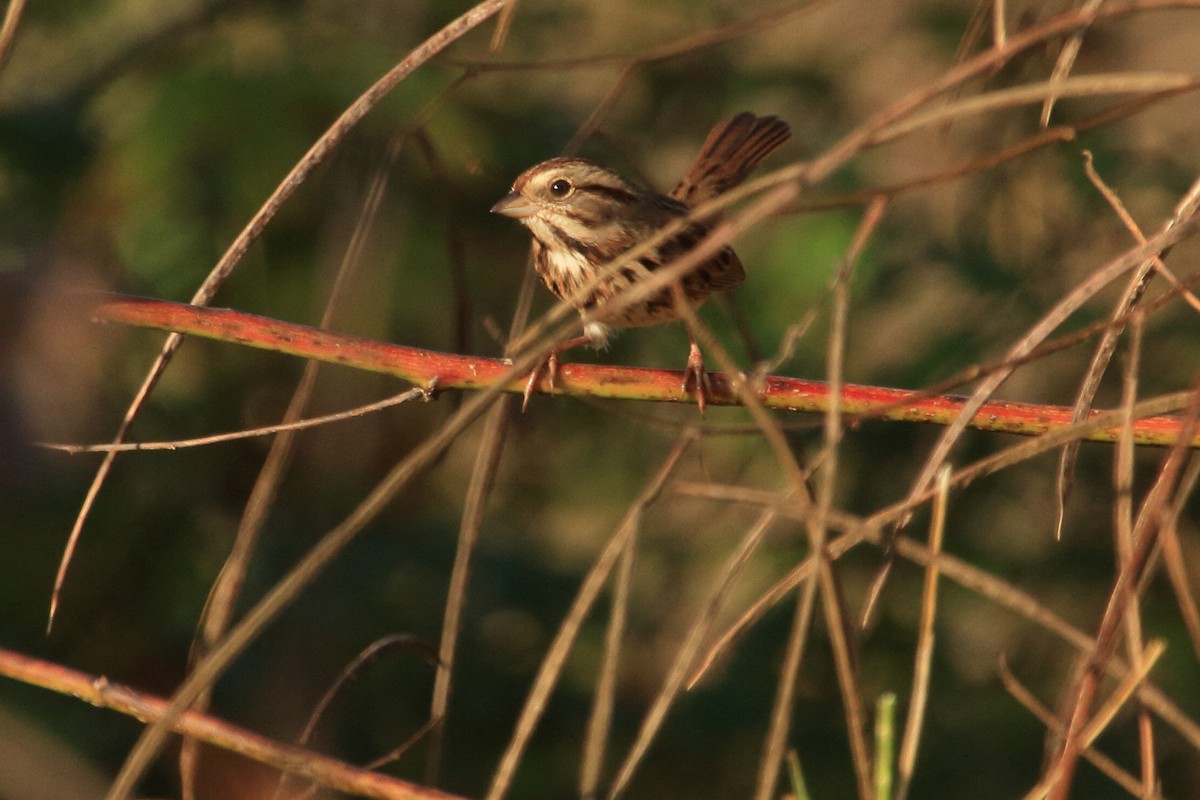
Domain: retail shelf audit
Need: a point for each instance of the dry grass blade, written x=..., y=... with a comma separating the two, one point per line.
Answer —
x=836, y=353
x=503, y=26
x=483, y=476
x=999, y=26
x=1177, y=570
x=836, y=350
x=225, y=266
x=686, y=655
x=787, y=345
x=1066, y=60
x=1031, y=704
x=1135, y=677
x=923, y=660
x=589, y=590
x=1090, y=384
x=1123, y=528
x=844, y=649
x=983, y=13
x=1058, y=776
x=781, y=710
x=600, y=721
x=974, y=29
x=8, y=31
x=1091, y=86
x=885, y=746
x=369, y=655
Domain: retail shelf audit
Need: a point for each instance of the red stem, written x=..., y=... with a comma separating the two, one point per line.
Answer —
x=449, y=371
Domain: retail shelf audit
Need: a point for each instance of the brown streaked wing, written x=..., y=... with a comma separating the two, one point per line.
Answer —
x=723, y=271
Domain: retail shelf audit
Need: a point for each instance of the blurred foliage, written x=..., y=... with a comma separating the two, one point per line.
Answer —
x=136, y=140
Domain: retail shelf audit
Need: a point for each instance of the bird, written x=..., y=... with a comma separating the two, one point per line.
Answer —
x=583, y=217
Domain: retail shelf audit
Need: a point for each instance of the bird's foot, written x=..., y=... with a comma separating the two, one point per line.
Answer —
x=549, y=366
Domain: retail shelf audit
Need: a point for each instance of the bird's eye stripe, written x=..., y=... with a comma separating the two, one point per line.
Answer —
x=611, y=192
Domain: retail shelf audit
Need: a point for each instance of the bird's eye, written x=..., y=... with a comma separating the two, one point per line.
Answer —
x=561, y=187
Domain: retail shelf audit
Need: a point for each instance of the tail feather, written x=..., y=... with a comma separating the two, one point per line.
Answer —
x=732, y=150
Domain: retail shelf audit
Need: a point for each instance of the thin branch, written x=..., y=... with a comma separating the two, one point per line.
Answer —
x=98, y=691
x=250, y=433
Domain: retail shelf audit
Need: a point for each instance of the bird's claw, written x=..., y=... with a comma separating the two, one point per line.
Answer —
x=549, y=365
x=695, y=378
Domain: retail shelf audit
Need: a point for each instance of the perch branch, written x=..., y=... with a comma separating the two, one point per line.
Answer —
x=439, y=371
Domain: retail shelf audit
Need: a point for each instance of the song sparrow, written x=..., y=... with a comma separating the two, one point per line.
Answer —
x=583, y=216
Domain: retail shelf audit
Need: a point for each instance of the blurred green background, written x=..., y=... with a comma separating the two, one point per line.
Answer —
x=136, y=140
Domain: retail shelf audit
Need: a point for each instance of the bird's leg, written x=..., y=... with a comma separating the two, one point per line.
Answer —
x=549, y=365
x=695, y=379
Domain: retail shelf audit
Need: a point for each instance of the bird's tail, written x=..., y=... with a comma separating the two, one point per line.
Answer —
x=732, y=150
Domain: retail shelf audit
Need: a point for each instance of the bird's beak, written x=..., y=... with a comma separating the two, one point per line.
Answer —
x=515, y=205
